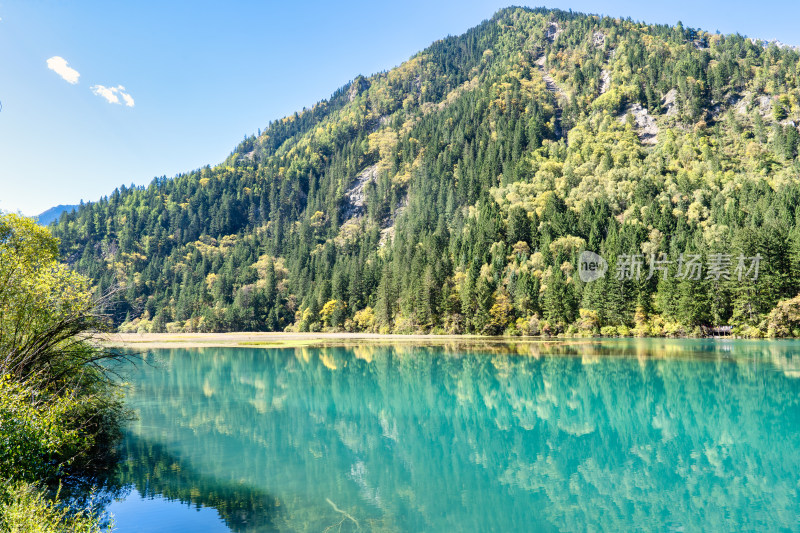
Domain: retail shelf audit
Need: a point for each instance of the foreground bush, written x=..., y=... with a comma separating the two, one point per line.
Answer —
x=36, y=442
x=26, y=509
x=59, y=413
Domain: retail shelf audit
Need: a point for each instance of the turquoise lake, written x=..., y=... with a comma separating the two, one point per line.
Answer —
x=612, y=435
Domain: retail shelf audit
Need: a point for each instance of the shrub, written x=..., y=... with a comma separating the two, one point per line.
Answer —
x=25, y=509
x=34, y=438
x=588, y=323
x=333, y=313
x=528, y=326
x=364, y=320
x=784, y=318
x=673, y=329
x=608, y=331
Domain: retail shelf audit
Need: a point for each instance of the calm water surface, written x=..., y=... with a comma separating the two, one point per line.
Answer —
x=623, y=435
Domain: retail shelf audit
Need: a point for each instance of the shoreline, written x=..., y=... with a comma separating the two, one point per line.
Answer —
x=292, y=340
x=289, y=340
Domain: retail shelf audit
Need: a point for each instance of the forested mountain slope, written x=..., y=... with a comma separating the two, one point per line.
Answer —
x=456, y=192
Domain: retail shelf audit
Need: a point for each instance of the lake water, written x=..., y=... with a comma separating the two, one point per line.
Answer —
x=622, y=435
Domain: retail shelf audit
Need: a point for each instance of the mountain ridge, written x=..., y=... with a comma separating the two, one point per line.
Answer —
x=54, y=213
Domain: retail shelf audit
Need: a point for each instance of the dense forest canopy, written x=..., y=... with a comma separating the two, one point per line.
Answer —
x=456, y=192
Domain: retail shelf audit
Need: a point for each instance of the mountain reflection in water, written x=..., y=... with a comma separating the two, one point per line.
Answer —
x=570, y=436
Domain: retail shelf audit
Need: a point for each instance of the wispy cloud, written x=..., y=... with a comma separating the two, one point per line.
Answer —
x=106, y=92
x=128, y=99
x=59, y=65
x=113, y=94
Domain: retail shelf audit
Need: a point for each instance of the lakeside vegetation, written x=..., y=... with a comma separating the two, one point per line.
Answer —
x=455, y=193
x=59, y=413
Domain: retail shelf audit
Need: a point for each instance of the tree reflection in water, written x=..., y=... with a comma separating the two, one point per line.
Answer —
x=622, y=435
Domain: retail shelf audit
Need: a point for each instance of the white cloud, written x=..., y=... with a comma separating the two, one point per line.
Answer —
x=106, y=92
x=59, y=65
x=128, y=99
x=113, y=94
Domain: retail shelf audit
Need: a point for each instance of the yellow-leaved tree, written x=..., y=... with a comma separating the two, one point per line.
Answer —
x=47, y=311
x=59, y=412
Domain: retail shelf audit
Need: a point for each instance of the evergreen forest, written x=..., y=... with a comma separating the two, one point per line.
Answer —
x=457, y=192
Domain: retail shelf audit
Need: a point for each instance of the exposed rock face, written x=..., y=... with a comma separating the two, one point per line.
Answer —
x=741, y=104
x=552, y=31
x=553, y=87
x=645, y=123
x=387, y=231
x=669, y=103
x=762, y=104
x=605, y=81
x=355, y=195
x=354, y=211
x=599, y=41
x=358, y=85
x=779, y=44
x=387, y=236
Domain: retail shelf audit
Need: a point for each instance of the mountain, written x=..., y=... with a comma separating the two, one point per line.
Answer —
x=457, y=192
x=54, y=213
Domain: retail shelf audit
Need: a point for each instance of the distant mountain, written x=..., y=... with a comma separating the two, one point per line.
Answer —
x=54, y=213
x=457, y=191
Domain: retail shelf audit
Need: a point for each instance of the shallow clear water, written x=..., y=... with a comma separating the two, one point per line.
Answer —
x=624, y=435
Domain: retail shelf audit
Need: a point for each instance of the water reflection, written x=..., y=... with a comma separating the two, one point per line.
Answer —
x=572, y=436
x=154, y=472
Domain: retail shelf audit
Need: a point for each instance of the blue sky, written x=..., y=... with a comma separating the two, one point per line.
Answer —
x=191, y=79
